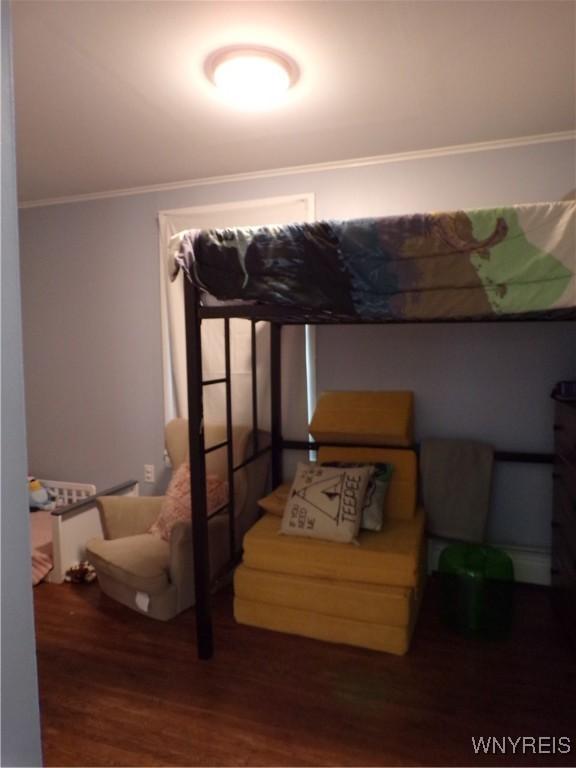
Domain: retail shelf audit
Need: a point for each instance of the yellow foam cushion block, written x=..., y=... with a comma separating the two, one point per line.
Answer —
x=402, y=491
x=275, y=502
x=390, y=557
x=372, y=418
x=332, y=629
x=363, y=602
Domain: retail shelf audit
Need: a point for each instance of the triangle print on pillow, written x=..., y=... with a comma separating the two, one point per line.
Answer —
x=326, y=502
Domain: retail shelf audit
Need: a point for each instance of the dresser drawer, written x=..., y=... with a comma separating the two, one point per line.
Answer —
x=564, y=546
x=565, y=433
x=563, y=571
x=563, y=563
x=564, y=485
x=565, y=477
x=564, y=519
x=563, y=579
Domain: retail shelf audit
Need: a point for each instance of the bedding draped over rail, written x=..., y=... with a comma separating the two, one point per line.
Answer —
x=480, y=264
x=171, y=224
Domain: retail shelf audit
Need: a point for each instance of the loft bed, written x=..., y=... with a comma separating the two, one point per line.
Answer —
x=490, y=265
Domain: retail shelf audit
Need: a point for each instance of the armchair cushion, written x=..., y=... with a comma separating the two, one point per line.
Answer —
x=140, y=562
x=127, y=515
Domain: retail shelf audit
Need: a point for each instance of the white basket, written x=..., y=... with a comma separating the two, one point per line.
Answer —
x=68, y=493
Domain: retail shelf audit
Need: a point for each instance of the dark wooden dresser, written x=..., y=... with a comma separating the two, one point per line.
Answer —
x=564, y=515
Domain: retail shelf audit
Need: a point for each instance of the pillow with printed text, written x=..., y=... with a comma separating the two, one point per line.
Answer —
x=326, y=502
x=375, y=499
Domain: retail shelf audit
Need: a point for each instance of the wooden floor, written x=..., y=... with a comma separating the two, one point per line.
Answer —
x=119, y=689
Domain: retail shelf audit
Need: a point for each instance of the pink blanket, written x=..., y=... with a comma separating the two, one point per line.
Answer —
x=41, y=544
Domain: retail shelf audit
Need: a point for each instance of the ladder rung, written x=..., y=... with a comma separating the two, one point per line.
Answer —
x=216, y=447
x=218, y=511
x=213, y=381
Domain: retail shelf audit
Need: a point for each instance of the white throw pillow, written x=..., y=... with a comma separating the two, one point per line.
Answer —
x=326, y=502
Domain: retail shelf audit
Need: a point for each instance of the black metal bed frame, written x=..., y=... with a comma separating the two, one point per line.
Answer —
x=195, y=312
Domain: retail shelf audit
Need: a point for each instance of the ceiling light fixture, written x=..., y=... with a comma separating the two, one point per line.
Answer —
x=252, y=77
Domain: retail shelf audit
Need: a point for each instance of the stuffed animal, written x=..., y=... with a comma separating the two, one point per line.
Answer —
x=40, y=497
x=80, y=573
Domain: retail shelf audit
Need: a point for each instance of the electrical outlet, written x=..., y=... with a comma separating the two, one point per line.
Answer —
x=149, y=473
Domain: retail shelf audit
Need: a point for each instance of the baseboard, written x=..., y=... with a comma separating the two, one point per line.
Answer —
x=531, y=566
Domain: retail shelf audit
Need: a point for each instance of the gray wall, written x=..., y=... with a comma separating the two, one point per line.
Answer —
x=480, y=382
x=20, y=717
x=92, y=324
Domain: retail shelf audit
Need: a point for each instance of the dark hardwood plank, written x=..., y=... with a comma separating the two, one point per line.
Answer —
x=119, y=689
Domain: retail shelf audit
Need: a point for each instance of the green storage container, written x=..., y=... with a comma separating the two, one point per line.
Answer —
x=477, y=584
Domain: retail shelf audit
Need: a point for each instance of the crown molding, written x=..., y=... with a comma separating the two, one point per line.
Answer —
x=457, y=149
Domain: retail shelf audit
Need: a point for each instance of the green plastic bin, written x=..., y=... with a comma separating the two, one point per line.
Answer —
x=477, y=589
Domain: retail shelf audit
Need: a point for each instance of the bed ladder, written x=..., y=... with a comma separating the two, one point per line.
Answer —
x=198, y=449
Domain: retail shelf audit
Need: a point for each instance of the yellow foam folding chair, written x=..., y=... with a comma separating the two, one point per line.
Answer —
x=365, y=594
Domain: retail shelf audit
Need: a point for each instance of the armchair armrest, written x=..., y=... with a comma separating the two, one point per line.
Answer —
x=127, y=515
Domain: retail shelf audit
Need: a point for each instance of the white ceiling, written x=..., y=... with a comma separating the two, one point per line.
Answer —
x=111, y=95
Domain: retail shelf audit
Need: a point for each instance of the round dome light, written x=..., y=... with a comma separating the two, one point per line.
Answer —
x=251, y=78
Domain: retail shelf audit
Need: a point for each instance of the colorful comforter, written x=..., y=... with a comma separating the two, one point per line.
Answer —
x=479, y=264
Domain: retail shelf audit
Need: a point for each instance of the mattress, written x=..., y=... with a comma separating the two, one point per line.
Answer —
x=514, y=262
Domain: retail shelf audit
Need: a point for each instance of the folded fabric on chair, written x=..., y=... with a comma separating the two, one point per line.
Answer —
x=456, y=487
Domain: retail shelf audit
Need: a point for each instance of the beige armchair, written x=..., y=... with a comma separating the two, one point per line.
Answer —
x=154, y=576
